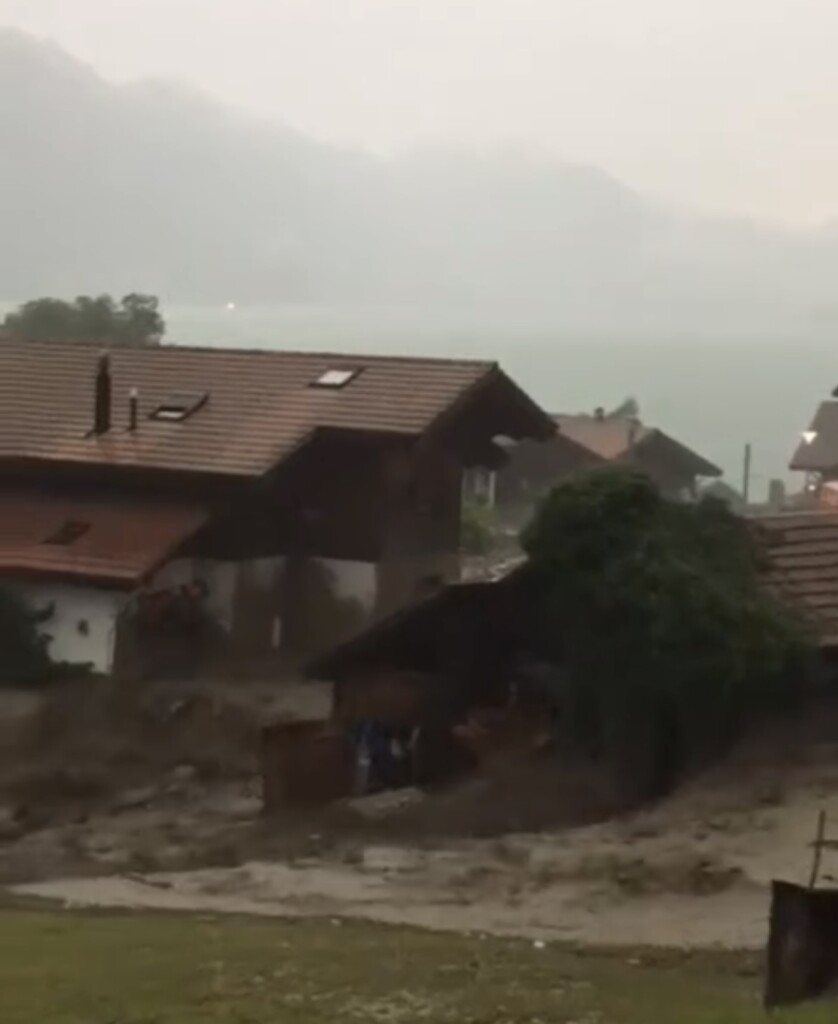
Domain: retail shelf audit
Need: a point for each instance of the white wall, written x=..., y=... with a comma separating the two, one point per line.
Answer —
x=358, y=580
x=83, y=626
x=262, y=573
x=220, y=578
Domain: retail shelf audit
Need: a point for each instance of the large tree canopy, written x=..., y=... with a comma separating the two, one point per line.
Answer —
x=658, y=612
x=135, y=320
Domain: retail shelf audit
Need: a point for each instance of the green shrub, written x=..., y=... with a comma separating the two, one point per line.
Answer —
x=24, y=656
x=657, y=610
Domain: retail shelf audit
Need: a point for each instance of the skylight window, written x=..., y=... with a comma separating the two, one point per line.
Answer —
x=179, y=406
x=170, y=412
x=68, y=533
x=336, y=377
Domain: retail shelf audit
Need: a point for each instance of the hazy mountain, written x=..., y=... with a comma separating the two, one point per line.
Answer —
x=151, y=187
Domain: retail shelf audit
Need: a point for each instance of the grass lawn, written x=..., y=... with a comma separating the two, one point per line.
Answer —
x=69, y=968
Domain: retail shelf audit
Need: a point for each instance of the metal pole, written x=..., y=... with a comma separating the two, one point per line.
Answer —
x=746, y=476
x=818, y=845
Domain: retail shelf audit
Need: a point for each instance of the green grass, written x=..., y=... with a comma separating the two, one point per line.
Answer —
x=68, y=968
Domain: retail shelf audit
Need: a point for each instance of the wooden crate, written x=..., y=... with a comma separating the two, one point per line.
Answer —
x=304, y=764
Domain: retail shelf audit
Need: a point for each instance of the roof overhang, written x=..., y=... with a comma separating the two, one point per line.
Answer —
x=678, y=455
x=494, y=407
x=121, y=544
x=385, y=643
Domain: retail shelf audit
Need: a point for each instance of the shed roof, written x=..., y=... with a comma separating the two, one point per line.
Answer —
x=406, y=637
x=253, y=407
x=616, y=438
x=803, y=551
x=803, y=548
x=115, y=543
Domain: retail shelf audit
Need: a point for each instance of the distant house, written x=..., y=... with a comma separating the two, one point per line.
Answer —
x=817, y=455
x=284, y=497
x=585, y=441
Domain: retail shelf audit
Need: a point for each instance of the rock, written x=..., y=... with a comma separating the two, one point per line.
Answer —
x=10, y=825
x=242, y=808
x=131, y=799
x=184, y=774
x=112, y=858
x=151, y=883
x=382, y=805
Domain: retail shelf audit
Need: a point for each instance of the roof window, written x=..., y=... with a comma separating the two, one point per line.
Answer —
x=336, y=377
x=178, y=406
x=68, y=533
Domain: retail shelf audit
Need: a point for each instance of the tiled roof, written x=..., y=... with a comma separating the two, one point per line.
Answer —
x=803, y=547
x=122, y=543
x=615, y=438
x=821, y=454
x=261, y=405
x=609, y=437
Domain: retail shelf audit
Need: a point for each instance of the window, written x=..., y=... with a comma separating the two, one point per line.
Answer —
x=169, y=412
x=178, y=406
x=68, y=533
x=336, y=378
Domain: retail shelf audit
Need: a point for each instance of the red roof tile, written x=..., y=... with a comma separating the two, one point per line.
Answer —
x=261, y=404
x=123, y=543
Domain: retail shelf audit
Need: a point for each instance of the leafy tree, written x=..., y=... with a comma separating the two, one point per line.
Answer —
x=136, y=320
x=657, y=611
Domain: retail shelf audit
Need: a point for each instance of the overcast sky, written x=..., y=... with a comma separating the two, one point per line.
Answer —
x=729, y=105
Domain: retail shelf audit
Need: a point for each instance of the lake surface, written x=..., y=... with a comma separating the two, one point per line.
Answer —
x=714, y=395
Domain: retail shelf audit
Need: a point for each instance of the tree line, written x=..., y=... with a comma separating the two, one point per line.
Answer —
x=133, y=320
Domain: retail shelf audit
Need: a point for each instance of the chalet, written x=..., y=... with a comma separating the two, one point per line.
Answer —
x=587, y=441
x=283, y=497
x=817, y=454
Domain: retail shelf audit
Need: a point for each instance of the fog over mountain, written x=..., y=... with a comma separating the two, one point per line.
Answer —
x=152, y=187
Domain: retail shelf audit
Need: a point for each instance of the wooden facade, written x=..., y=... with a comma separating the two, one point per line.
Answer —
x=323, y=509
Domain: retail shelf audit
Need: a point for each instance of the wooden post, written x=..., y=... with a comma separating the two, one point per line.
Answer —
x=816, y=862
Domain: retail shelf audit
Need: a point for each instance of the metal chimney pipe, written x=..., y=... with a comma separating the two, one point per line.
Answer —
x=133, y=408
x=102, y=397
